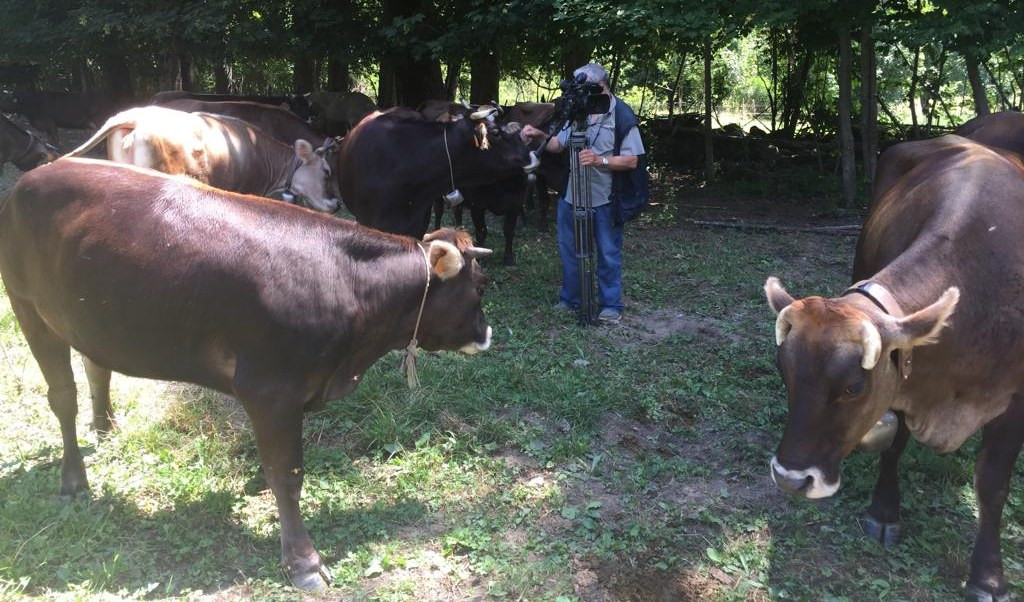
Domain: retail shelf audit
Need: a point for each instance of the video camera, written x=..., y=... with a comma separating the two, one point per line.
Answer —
x=580, y=99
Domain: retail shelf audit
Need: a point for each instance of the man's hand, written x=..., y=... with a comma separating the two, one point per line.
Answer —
x=530, y=133
x=589, y=157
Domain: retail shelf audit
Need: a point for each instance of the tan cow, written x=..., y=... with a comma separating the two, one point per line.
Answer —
x=218, y=150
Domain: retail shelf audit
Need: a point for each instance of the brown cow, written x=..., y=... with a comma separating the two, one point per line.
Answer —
x=21, y=147
x=284, y=308
x=277, y=122
x=218, y=150
x=929, y=340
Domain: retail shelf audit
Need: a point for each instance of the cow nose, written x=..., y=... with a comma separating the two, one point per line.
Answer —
x=791, y=484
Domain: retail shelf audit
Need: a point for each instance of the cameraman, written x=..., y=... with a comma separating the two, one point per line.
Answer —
x=618, y=191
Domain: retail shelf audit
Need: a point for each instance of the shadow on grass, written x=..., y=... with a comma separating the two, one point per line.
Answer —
x=105, y=542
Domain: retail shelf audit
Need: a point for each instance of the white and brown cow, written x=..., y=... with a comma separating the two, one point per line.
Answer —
x=218, y=150
x=930, y=339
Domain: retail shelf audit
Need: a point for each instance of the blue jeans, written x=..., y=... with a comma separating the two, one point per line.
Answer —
x=607, y=248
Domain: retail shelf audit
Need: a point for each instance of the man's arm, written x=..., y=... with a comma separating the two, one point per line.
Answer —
x=530, y=134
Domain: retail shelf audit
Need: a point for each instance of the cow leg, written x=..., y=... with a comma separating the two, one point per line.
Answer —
x=882, y=520
x=1000, y=445
x=543, y=204
x=53, y=355
x=277, y=423
x=476, y=212
x=99, y=388
x=457, y=216
x=438, y=212
x=509, y=228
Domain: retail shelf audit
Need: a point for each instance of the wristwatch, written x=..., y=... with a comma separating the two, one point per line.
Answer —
x=604, y=161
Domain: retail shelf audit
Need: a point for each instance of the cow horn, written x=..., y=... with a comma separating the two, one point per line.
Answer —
x=533, y=164
x=477, y=252
x=482, y=113
x=872, y=343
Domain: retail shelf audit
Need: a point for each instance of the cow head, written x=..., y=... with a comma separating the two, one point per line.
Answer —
x=493, y=151
x=453, y=318
x=838, y=360
x=313, y=181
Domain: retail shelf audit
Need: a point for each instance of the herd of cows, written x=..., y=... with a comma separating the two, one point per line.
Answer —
x=284, y=307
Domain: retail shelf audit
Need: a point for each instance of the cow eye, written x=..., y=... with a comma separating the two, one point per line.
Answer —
x=853, y=389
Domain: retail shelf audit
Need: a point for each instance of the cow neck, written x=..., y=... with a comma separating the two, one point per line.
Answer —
x=282, y=179
x=408, y=365
x=884, y=300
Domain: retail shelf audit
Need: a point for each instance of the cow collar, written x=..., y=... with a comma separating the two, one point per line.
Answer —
x=408, y=365
x=286, y=194
x=884, y=300
x=454, y=197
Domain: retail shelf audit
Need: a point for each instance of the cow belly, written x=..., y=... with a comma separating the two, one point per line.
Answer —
x=950, y=420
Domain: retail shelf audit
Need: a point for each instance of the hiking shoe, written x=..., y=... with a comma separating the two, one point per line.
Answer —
x=563, y=306
x=612, y=316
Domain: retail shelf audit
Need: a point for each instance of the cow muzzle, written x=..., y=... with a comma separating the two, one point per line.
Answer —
x=880, y=437
x=475, y=347
x=809, y=483
x=533, y=164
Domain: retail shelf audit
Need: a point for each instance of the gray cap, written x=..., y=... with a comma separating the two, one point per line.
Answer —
x=595, y=73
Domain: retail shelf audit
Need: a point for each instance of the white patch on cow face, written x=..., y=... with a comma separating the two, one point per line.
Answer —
x=313, y=179
x=817, y=488
x=475, y=347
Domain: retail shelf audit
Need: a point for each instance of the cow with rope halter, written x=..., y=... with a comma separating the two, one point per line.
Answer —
x=283, y=308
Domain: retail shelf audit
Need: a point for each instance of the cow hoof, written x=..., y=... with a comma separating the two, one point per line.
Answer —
x=315, y=580
x=887, y=534
x=977, y=593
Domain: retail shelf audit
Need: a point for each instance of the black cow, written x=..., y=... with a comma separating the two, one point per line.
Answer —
x=296, y=103
x=553, y=171
x=47, y=110
x=393, y=165
x=21, y=147
x=161, y=277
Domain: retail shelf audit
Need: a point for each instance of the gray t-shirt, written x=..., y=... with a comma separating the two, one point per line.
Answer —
x=601, y=140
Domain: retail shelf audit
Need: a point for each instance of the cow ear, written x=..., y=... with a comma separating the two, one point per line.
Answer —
x=778, y=298
x=923, y=327
x=445, y=259
x=480, y=136
x=304, y=150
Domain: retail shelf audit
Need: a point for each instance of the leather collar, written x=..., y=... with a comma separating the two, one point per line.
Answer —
x=884, y=300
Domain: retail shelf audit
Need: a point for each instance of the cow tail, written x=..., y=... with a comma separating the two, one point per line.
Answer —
x=126, y=120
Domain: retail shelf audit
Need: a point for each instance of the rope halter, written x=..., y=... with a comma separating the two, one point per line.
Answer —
x=408, y=365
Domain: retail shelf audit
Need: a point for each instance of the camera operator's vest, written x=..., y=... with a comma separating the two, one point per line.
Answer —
x=629, y=188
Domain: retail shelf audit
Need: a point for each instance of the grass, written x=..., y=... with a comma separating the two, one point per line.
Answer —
x=566, y=464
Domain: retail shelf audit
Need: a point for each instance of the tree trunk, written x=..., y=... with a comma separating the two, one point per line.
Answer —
x=977, y=87
x=222, y=76
x=117, y=79
x=709, y=143
x=912, y=94
x=869, y=103
x=451, y=78
x=187, y=70
x=337, y=74
x=386, y=93
x=673, y=94
x=795, y=92
x=304, y=75
x=1003, y=99
x=574, y=55
x=483, y=77
x=847, y=155
x=773, y=97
